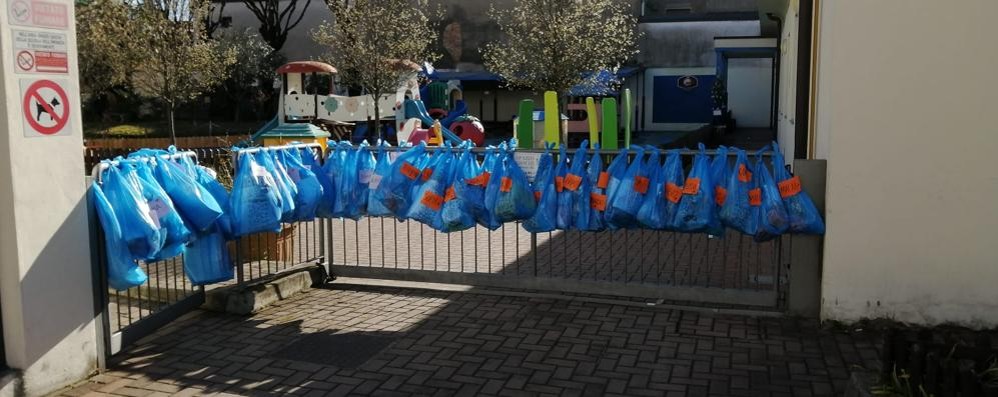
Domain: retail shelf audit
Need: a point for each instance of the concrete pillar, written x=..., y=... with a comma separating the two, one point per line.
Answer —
x=46, y=289
x=804, y=293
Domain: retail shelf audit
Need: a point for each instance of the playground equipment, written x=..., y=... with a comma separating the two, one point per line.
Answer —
x=540, y=129
x=455, y=125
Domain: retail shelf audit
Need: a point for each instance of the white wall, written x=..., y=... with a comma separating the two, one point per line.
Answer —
x=786, y=117
x=750, y=85
x=905, y=116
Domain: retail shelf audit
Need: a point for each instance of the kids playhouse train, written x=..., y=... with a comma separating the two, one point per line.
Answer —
x=308, y=99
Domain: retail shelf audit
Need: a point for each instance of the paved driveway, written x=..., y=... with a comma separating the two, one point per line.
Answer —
x=355, y=340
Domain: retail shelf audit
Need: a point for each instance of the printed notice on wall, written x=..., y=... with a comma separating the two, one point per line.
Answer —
x=40, y=52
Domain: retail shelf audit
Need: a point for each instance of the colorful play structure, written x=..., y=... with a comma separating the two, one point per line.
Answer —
x=309, y=107
x=533, y=127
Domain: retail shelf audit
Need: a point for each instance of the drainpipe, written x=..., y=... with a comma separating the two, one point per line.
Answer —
x=775, y=117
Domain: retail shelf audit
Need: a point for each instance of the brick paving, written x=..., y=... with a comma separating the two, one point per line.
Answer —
x=457, y=343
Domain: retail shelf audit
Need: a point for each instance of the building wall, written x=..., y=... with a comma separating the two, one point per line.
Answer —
x=906, y=95
x=750, y=84
x=787, y=97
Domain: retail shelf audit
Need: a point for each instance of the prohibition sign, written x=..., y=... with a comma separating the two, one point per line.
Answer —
x=25, y=60
x=54, y=112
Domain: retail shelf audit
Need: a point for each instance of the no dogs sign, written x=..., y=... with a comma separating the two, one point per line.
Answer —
x=45, y=107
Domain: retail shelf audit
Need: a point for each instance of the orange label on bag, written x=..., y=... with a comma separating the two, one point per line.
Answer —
x=692, y=186
x=604, y=180
x=427, y=173
x=537, y=196
x=673, y=192
x=409, y=170
x=572, y=182
x=597, y=201
x=559, y=184
x=641, y=184
x=432, y=200
x=506, y=184
x=450, y=195
x=755, y=197
x=480, y=180
x=720, y=195
x=790, y=187
x=744, y=175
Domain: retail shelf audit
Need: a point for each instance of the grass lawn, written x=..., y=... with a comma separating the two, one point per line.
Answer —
x=159, y=129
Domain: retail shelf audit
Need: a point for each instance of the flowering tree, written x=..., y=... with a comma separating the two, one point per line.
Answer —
x=374, y=43
x=554, y=45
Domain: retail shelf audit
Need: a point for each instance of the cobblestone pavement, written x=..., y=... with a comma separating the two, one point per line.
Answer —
x=419, y=342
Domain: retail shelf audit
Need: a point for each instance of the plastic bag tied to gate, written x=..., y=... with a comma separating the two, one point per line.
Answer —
x=365, y=171
x=599, y=181
x=545, y=193
x=456, y=214
x=174, y=231
x=328, y=176
x=803, y=214
x=122, y=270
x=564, y=212
x=742, y=201
x=140, y=232
x=696, y=212
x=346, y=181
x=627, y=200
x=773, y=220
x=428, y=200
x=207, y=260
x=575, y=192
x=309, y=188
x=651, y=214
x=718, y=177
x=255, y=201
x=382, y=168
x=615, y=175
x=494, y=168
x=515, y=201
x=196, y=205
x=285, y=189
x=394, y=190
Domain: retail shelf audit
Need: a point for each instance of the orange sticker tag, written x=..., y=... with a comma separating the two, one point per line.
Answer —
x=641, y=184
x=744, y=175
x=720, y=195
x=673, y=192
x=537, y=196
x=505, y=184
x=559, y=184
x=427, y=173
x=692, y=186
x=432, y=200
x=450, y=195
x=597, y=201
x=755, y=197
x=409, y=170
x=572, y=182
x=604, y=180
x=480, y=180
x=790, y=187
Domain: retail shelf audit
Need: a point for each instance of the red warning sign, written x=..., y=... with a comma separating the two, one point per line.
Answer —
x=25, y=61
x=46, y=108
x=40, y=52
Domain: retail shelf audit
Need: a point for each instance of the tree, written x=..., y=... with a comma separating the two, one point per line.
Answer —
x=108, y=54
x=275, y=21
x=178, y=61
x=375, y=42
x=554, y=45
x=253, y=72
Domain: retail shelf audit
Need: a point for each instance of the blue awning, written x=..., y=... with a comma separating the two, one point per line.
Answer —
x=599, y=87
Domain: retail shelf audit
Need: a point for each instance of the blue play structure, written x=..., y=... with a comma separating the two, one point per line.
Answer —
x=414, y=108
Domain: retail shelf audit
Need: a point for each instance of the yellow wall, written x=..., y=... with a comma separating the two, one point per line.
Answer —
x=907, y=91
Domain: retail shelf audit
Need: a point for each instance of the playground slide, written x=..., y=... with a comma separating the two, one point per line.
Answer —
x=414, y=108
x=460, y=109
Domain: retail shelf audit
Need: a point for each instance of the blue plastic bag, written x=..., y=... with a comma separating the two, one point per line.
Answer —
x=630, y=194
x=773, y=219
x=394, y=190
x=195, y=204
x=285, y=188
x=122, y=270
x=174, y=231
x=615, y=175
x=141, y=233
x=365, y=165
x=207, y=178
x=718, y=177
x=803, y=214
x=456, y=214
x=494, y=168
x=348, y=184
x=740, y=208
x=428, y=201
x=545, y=217
x=475, y=182
x=564, y=218
x=382, y=168
x=696, y=208
x=328, y=177
x=309, y=188
x=515, y=200
x=255, y=201
x=652, y=213
x=599, y=181
x=207, y=260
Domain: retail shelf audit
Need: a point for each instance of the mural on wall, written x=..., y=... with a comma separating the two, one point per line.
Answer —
x=451, y=40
